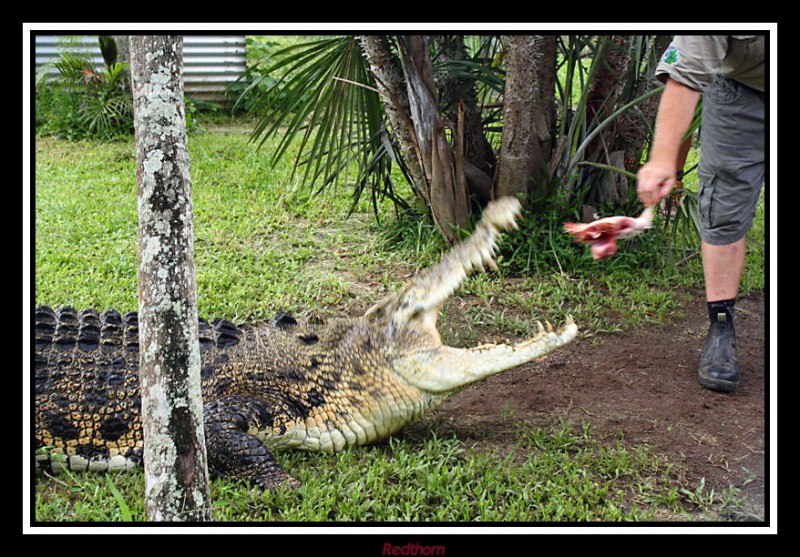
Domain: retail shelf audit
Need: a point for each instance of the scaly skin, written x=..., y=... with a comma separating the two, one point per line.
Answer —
x=287, y=384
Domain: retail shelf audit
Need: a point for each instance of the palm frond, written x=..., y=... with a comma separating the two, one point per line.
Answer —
x=326, y=100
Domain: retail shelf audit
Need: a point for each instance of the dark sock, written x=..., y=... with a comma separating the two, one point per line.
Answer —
x=726, y=307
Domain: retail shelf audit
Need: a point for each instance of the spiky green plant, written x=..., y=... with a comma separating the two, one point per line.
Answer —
x=327, y=99
x=84, y=100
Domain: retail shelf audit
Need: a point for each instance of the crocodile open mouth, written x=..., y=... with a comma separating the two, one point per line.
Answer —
x=440, y=368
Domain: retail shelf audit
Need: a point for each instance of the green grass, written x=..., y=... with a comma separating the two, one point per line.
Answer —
x=554, y=472
x=259, y=244
x=263, y=245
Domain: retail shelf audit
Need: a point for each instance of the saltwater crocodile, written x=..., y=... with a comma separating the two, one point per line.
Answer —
x=290, y=383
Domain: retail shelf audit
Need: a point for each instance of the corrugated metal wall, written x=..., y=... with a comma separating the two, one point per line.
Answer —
x=210, y=62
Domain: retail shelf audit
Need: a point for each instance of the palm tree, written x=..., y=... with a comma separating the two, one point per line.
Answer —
x=556, y=120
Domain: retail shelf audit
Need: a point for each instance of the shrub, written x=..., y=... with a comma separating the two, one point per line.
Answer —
x=83, y=101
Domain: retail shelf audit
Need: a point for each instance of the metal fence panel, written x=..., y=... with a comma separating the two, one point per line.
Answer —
x=210, y=62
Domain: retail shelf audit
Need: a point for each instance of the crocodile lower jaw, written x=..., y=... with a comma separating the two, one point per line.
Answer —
x=448, y=369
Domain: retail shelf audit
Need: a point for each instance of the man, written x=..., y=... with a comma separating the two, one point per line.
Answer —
x=728, y=73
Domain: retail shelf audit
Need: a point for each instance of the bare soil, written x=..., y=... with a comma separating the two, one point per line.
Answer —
x=641, y=387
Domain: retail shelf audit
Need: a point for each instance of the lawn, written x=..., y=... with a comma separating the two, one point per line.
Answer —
x=264, y=244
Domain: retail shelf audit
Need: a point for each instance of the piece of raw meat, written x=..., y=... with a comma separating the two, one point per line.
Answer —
x=602, y=234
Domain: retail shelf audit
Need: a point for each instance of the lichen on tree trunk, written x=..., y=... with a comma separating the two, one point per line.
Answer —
x=176, y=475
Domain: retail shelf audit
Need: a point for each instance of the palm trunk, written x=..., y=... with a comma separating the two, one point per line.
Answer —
x=649, y=107
x=617, y=81
x=390, y=82
x=461, y=105
x=446, y=184
x=527, y=122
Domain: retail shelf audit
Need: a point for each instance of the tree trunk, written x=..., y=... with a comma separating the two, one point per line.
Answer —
x=544, y=60
x=604, y=97
x=176, y=474
x=444, y=174
x=460, y=104
x=617, y=81
x=649, y=107
x=124, y=56
x=385, y=66
x=525, y=120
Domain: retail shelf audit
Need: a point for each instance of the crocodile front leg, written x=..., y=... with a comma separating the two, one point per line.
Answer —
x=233, y=452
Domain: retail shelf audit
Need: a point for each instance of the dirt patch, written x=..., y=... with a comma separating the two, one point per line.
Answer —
x=641, y=387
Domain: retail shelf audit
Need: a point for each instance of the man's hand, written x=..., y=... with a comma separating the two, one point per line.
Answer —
x=654, y=182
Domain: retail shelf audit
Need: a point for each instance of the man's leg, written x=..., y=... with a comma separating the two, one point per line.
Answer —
x=731, y=174
x=722, y=267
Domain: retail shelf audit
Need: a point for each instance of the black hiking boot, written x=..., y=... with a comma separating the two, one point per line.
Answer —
x=719, y=364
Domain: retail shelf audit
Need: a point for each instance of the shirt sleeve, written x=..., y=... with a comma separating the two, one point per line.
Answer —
x=693, y=60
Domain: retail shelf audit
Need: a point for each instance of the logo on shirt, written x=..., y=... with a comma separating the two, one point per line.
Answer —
x=670, y=56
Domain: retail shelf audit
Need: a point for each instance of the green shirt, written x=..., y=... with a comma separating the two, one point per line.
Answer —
x=695, y=60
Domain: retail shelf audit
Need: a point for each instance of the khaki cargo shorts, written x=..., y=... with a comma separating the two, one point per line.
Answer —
x=731, y=170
